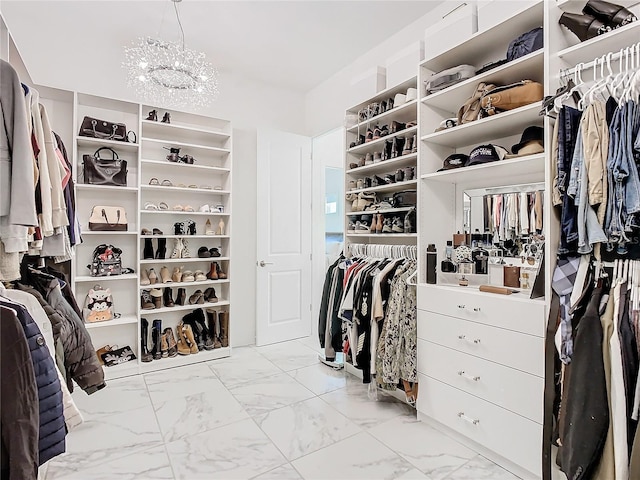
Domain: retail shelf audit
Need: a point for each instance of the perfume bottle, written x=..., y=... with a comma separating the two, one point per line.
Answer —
x=431, y=263
x=447, y=265
x=480, y=257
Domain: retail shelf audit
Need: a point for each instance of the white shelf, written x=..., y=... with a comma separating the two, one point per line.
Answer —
x=390, y=187
x=166, y=163
x=528, y=67
x=124, y=320
x=105, y=188
x=87, y=278
x=521, y=296
x=596, y=47
x=180, y=308
x=575, y=6
x=172, y=212
x=384, y=210
x=210, y=191
x=385, y=165
x=379, y=142
x=182, y=360
x=384, y=235
x=185, y=236
x=490, y=172
x=182, y=260
x=91, y=232
x=406, y=112
x=386, y=94
x=185, y=145
x=171, y=128
x=97, y=143
x=485, y=130
x=183, y=284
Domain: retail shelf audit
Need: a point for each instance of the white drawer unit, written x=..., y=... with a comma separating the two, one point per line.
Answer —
x=513, y=349
x=512, y=312
x=508, y=434
x=506, y=387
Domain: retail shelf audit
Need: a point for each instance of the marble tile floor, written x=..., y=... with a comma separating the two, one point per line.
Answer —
x=268, y=412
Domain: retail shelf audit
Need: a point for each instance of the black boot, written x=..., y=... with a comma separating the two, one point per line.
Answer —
x=398, y=145
x=388, y=150
x=148, y=248
x=156, y=338
x=584, y=27
x=167, y=297
x=207, y=336
x=181, y=296
x=162, y=248
x=214, y=329
x=609, y=13
x=145, y=356
x=153, y=116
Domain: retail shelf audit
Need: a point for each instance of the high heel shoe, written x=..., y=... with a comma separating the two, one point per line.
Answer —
x=147, y=253
x=166, y=118
x=208, y=229
x=161, y=252
x=584, y=27
x=164, y=275
x=220, y=229
x=153, y=277
x=185, y=249
x=144, y=278
x=177, y=274
x=177, y=248
x=153, y=116
x=609, y=13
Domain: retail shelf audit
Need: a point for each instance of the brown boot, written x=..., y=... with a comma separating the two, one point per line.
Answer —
x=191, y=340
x=164, y=346
x=221, y=274
x=156, y=297
x=172, y=346
x=213, y=272
x=224, y=328
x=183, y=347
x=212, y=317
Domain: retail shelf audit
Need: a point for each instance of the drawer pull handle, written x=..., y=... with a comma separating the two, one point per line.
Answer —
x=461, y=337
x=476, y=309
x=464, y=338
x=467, y=376
x=476, y=341
x=461, y=307
x=472, y=421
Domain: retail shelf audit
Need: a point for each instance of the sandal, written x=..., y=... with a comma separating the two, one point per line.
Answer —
x=178, y=208
x=200, y=276
x=154, y=181
x=181, y=185
x=163, y=206
x=187, y=276
x=150, y=206
x=208, y=229
x=188, y=208
x=193, y=186
x=205, y=187
x=167, y=183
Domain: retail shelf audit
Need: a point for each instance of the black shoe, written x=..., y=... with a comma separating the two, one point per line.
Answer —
x=148, y=249
x=167, y=298
x=145, y=356
x=156, y=338
x=410, y=221
x=162, y=249
x=153, y=116
x=181, y=296
x=399, y=175
x=369, y=136
x=203, y=252
x=398, y=145
x=166, y=118
x=206, y=335
x=584, y=27
x=388, y=150
x=198, y=332
x=609, y=13
x=215, y=252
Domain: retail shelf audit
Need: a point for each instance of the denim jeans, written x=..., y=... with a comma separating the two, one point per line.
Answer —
x=567, y=133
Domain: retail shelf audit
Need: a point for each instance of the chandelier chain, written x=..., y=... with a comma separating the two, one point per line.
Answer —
x=175, y=7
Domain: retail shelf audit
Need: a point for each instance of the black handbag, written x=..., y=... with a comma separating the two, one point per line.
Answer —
x=103, y=171
x=407, y=198
x=96, y=128
x=106, y=261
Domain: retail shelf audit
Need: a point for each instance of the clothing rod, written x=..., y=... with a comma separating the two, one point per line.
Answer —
x=611, y=56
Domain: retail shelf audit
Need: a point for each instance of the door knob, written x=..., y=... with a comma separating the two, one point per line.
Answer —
x=262, y=263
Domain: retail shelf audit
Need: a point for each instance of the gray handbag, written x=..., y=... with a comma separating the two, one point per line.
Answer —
x=446, y=78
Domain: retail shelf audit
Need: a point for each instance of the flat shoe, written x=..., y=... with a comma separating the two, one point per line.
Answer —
x=203, y=252
x=200, y=276
x=167, y=183
x=188, y=208
x=197, y=297
x=178, y=208
x=163, y=206
x=204, y=209
x=145, y=231
x=187, y=276
x=157, y=231
x=154, y=181
x=150, y=206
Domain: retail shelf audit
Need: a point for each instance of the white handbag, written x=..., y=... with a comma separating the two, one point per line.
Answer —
x=108, y=218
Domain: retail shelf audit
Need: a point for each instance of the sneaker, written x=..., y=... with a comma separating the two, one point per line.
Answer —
x=397, y=225
x=362, y=227
x=352, y=227
x=386, y=228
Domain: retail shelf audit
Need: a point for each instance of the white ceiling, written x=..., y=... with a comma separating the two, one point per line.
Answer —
x=292, y=44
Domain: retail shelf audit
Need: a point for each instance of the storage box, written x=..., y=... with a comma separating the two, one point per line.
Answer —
x=494, y=12
x=404, y=64
x=367, y=84
x=454, y=23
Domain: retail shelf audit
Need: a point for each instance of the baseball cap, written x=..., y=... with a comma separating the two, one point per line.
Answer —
x=455, y=160
x=486, y=153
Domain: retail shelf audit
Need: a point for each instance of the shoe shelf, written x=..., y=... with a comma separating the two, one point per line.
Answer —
x=186, y=145
x=88, y=278
x=173, y=128
x=183, y=284
x=385, y=165
x=92, y=232
x=105, y=188
x=504, y=124
x=166, y=163
x=142, y=237
x=390, y=187
x=601, y=45
x=407, y=112
x=210, y=191
x=373, y=145
x=182, y=360
x=182, y=260
x=180, y=308
x=451, y=99
x=96, y=143
x=123, y=320
x=575, y=6
x=385, y=94
x=384, y=210
x=532, y=166
x=177, y=212
x=383, y=235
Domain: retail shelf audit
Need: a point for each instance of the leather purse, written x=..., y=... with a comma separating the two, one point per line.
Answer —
x=512, y=96
x=472, y=110
x=108, y=219
x=407, y=198
x=103, y=129
x=103, y=171
x=511, y=276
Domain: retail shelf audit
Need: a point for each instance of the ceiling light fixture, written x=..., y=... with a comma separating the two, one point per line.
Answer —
x=168, y=73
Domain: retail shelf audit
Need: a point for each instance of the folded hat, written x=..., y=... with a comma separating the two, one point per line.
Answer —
x=486, y=153
x=530, y=134
x=529, y=148
x=455, y=160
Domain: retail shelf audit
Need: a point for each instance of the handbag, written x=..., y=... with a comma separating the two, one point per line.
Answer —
x=106, y=261
x=93, y=127
x=407, y=198
x=106, y=218
x=511, y=96
x=102, y=171
x=525, y=44
x=446, y=78
x=98, y=305
x=118, y=356
x=472, y=110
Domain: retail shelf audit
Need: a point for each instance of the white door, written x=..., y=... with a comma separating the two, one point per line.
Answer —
x=283, y=301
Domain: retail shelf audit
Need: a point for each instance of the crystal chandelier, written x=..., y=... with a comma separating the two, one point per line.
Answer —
x=168, y=73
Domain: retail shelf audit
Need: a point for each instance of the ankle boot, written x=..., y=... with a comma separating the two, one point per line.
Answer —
x=167, y=297
x=165, y=277
x=388, y=150
x=206, y=335
x=172, y=346
x=164, y=346
x=187, y=331
x=156, y=333
x=153, y=116
x=224, y=328
x=583, y=26
x=609, y=13
x=177, y=248
x=221, y=274
x=408, y=146
x=145, y=356
x=181, y=296
x=146, y=302
x=156, y=296
x=147, y=253
x=144, y=278
x=176, y=276
x=185, y=249
x=162, y=249
x=183, y=344
x=152, y=276
x=379, y=223
x=398, y=145
x=213, y=272
x=166, y=118
x=212, y=319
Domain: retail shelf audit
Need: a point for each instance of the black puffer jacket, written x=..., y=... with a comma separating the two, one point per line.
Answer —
x=80, y=359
